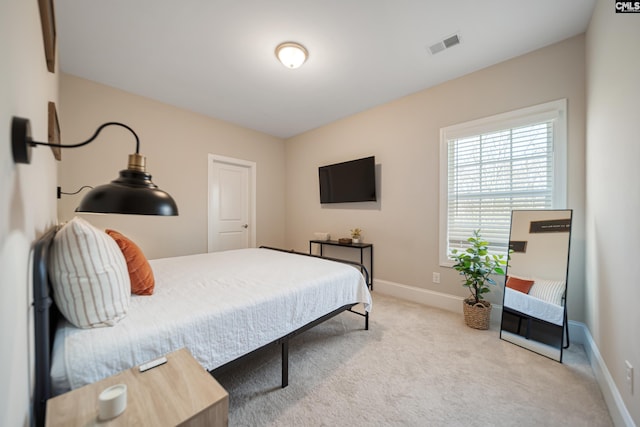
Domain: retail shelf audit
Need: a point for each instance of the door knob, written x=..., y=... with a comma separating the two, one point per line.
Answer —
x=245, y=225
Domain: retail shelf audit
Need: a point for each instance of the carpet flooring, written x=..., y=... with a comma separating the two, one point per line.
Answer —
x=416, y=366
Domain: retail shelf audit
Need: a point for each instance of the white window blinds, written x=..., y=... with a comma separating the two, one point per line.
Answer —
x=492, y=169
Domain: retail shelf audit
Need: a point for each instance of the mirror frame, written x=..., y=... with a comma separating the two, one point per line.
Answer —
x=545, y=349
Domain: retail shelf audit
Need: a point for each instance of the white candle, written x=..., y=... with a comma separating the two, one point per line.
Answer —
x=112, y=402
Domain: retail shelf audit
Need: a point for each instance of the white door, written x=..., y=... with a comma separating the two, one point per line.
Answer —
x=231, y=204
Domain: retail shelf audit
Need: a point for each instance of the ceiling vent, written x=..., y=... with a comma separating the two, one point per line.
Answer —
x=444, y=44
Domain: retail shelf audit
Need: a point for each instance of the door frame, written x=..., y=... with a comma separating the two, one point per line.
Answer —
x=251, y=194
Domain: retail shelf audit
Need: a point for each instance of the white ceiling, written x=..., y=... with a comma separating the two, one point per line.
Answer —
x=216, y=57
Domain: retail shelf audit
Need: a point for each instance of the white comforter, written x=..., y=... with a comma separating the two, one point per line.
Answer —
x=220, y=306
x=533, y=307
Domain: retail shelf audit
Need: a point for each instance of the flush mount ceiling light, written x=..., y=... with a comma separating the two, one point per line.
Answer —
x=291, y=54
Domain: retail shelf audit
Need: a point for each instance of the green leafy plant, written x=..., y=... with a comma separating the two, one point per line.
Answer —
x=477, y=265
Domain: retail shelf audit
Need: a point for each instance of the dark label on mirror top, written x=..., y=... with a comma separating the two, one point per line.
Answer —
x=550, y=226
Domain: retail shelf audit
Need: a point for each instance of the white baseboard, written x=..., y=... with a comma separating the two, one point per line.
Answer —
x=431, y=298
x=578, y=333
x=419, y=295
x=617, y=409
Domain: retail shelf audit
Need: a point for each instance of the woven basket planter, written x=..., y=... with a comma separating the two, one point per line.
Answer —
x=477, y=316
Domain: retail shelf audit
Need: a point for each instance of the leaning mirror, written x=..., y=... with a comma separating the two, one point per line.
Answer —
x=534, y=309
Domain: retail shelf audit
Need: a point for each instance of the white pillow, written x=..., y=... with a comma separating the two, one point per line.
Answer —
x=548, y=290
x=91, y=284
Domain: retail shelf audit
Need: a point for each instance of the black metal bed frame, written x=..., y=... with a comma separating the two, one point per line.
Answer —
x=359, y=265
x=46, y=316
x=565, y=341
x=284, y=341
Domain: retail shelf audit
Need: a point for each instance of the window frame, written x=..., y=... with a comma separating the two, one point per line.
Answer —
x=554, y=110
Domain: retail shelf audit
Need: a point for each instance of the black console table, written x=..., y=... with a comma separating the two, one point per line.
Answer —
x=361, y=246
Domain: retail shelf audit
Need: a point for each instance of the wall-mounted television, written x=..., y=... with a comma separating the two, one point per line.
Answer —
x=352, y=181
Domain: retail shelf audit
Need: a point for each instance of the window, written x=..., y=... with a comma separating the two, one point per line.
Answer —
x=490, y=166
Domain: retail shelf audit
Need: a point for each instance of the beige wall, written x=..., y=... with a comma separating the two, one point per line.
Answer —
x=546, y=253
x=404, y=137
x=176, y=143
x=27, y=198
x=613, y=202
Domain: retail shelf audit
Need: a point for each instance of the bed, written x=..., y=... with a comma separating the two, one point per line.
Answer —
x=530, y=298
x=222, y=306
x=531, y=306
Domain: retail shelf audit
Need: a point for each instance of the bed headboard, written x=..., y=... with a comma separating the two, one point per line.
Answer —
x=46, y=317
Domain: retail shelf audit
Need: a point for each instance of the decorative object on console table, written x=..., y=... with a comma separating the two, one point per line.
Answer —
x=177, y=393
x=356, y=235
x=322, y=235
x=345, y=241
x=476, y=264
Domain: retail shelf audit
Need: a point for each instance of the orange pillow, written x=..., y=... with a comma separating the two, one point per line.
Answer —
x=515, y=283
x=140, y=273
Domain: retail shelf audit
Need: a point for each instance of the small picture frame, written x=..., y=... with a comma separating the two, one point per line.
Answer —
x=518, y=246
x=54, y=130
x=48, y=22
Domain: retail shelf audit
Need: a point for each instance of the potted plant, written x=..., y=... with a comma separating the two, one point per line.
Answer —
x=356, y=233
x=477, y=265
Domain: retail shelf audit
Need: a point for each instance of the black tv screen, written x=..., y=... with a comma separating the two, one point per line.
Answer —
x=352, y=181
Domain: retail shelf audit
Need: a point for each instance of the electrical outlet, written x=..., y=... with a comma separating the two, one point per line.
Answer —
x=629, y=375
x=436, y=277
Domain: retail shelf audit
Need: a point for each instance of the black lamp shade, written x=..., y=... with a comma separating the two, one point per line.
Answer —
x=132, y=192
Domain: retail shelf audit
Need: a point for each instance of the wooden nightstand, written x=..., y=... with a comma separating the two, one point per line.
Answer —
x=180, y=392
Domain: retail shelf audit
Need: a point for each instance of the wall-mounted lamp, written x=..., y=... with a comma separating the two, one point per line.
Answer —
x=291, y=54
x=60, y=192
x=132, y=192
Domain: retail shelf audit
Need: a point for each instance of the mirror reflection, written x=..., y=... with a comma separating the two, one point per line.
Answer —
x=534, y=314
